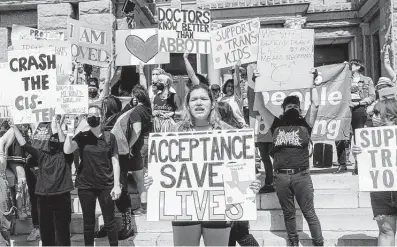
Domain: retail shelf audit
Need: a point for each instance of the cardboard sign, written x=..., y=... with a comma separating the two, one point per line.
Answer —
x=72, y=99
x=236, y=42
x=285, y=59
x=182, y=30
x=139, y=46
x=27, y=33
x=91, y=44
x=388, y=93
x=198, y=174
x=62, y=51
x=377, y=162
x=32, y=83
x=4, y=94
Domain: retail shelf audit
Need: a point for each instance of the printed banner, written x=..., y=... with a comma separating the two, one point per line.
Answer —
x=91, y=44
x=139, y=46
x=286, y=57
x=4, y=94
x=182, y=30
x=32, y=82
x=72, y=99
x=235, y=42
x=202, y=176
x=62, y=51
x=27, y=33
x=377, y=162
x=334, y=115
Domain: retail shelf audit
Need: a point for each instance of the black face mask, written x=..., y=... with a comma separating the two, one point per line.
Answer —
x=92, y=94
x=160, y=86
x=93, y=121
x=53, y=146
x=291, y=117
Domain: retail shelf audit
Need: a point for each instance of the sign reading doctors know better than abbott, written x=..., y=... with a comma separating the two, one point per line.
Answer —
x=91, y=44
x=202, y=176
x=32, y=80
x=377, y=162
x=182, y=30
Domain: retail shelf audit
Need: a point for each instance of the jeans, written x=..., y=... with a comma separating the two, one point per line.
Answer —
x=55, y=214
x=299, y=186
x=264, y=150
x=31, y=180
x=88, y=199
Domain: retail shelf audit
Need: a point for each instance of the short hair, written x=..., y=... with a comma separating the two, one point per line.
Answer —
x=111, y=105
x=358, y=63
x=142, y=95
x=292, y=99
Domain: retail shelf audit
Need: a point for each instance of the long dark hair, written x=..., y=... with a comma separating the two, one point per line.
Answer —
x=225, y=85
x=141, y=94
x=111, y=106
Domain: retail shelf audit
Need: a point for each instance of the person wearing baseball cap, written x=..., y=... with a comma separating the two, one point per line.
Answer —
x=93, y=88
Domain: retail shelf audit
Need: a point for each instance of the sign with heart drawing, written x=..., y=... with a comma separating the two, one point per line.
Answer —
x=139, y=46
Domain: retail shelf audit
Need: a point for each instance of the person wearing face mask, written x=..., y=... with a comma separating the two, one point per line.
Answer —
x=165, y=105
x=291, y=140
x=383, y=203
x=98, y=175
x=201, y=115
x=53, y=188
x=362, y=95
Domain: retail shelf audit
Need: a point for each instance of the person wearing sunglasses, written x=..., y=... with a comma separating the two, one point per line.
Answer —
x=98, y=175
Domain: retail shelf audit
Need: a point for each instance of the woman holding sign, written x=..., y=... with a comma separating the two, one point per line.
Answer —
x=98, y=175
x=383, y=203
x=201, y=115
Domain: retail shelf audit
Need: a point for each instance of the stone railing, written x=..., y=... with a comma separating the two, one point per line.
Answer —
x=338, y=6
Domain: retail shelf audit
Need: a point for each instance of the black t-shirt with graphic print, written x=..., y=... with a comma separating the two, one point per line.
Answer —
x=290, y=144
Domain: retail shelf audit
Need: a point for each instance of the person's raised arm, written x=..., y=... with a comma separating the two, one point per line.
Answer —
x=18, y=135
x=190, y=71
x=106, y=85
x=5, y=141
x=267, y=116
x=61, y=135
x=70, y=145
x=389, y=71
x=142, y=77
x=237, y=87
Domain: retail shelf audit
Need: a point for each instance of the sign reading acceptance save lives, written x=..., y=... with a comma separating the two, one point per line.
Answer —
x=202, y=176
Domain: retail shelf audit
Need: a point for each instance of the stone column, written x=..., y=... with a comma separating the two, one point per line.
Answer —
x=102, y=13
x=366, y=48
x=54, y=16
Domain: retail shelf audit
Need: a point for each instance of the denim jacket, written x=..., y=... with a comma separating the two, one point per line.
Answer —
x=366, y=90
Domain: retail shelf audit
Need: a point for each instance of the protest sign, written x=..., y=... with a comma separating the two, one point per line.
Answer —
x=334, y=116
x=182, y=30
x=286, y=57
x=91, y=44
x=27, y=33
x=235, y=42
x=377, y=162
x=62, y=51
x=32, y=83
x=388, y=93
x=139, y=46
x=72, y=99
x=196, y=176
x=4, y=94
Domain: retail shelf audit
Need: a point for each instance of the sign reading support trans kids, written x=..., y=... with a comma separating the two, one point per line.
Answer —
x=202, y=176
x=377, y=162
x=182, y=30
x=32, y=80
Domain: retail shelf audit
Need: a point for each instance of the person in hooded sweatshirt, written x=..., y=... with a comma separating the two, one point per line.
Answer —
x=53, y=188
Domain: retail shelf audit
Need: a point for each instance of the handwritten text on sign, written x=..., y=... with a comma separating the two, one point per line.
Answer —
x=72, y=99
x=184, y=30
x=235, y=42
x=27, y=33
x=286, y=56
x=187, y=169
x=33, y=84
x=90, y=44
x=377, y=162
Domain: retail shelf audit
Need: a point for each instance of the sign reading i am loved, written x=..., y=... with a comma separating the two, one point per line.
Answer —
x=202, y=176
x=32, y=83
x=139, y=46
x=236, y=42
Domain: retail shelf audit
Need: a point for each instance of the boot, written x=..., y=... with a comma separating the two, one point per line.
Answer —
x=293, y=243
x=6, y=235
x=127, y=230
x=355, y=171
x=318, y=244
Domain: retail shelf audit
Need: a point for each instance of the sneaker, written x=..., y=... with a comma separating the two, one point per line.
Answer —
x=101, y=233
x=139, y=211
x=34, y=235
x=267, y=189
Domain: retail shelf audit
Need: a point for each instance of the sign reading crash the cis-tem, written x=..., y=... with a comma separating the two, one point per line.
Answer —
x=182, y=30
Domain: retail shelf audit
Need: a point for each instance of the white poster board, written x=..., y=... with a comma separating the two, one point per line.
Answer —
x=32, y=83
x=4, y=94
x=377, y=162
x=202, y=176
x=72, y=99
x=236, y=42
x=182, y=30
x=137, y=46
x=27, y=33
x=285, y=59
